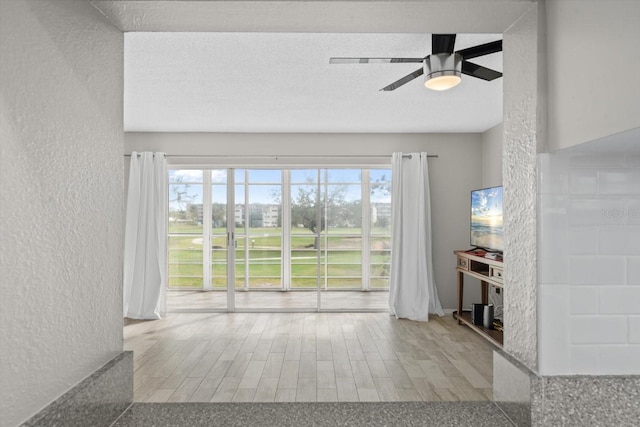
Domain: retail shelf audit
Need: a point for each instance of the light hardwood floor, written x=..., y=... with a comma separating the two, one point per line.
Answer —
x=287, y=357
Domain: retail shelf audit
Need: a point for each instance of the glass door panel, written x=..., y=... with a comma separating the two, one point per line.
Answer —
x=380, y=253
x=190, y=242
x=185, y=240
x=342, y=239
x=219, y=224
x=264, y=238
x=356, y=274
x=259, y=236
x=304, y=239
x=380, y=230
x=240, y=223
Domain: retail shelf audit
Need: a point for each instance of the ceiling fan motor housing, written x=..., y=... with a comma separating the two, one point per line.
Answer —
x=443, y=64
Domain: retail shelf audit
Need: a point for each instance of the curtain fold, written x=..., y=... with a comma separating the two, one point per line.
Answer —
x=412, y=290
x=145, y=246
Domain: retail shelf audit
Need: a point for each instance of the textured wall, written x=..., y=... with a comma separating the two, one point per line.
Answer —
x=452, y=175
x=61, y=200
x=523, y=128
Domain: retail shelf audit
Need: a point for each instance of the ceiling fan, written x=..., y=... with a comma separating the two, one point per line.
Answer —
x=443, y=68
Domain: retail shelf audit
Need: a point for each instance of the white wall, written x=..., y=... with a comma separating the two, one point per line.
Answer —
x=61, y=200
x=492, y=156
x=455, y=172
x=589, y=267
x=593, y=65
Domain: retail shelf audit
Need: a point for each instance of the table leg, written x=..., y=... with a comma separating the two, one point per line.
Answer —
x=485, y=292
x=460, y=295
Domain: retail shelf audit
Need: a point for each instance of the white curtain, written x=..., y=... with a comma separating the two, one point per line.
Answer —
x=145, y=246
x=412, y=291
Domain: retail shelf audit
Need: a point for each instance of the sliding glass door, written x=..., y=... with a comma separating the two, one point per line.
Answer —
x=263, y=253
x=279, y=239
x=197, y=241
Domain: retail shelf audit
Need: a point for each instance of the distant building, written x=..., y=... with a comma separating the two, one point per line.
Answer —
x=260, y=215
x=238, y=214
x=381, y=212
x=270, y=215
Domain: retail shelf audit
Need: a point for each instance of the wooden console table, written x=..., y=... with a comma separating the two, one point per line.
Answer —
x=490, y=273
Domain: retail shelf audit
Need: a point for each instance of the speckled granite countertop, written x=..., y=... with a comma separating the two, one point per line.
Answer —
x=441, y=414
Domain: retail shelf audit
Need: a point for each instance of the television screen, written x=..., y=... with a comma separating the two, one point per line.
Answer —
x=486, y=219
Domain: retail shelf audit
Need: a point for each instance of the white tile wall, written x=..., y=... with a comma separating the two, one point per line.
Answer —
x=595, y=211
x=589, y=261
x=584, y=358
x=581, y=241
x=584, y=300
x=583, y=181
x=619, y=240
x=553, y=239
x=597, y=270
x=553, y=325
x=633, y=211
x=633, y=160
x=619, y=300
x=619, y=181
x=599, y=330
x=622, y=359
x=634, y=329
x=633, y=270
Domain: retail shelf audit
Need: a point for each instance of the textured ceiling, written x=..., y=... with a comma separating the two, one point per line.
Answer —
x=283, y=82
x=262, y=65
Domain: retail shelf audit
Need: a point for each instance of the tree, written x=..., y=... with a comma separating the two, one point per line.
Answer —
x=180, y=198
x=381, y=187
x=194, y=213
x=218, y=215
x=305, y=203
x=381, y=190
x=383, y=222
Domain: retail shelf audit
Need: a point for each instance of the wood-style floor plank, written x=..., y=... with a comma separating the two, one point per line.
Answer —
x=226, y=390
x=266, y=391
x=288, y=357
x=347, y=390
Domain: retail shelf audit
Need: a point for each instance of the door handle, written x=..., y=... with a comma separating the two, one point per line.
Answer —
x=231, y=240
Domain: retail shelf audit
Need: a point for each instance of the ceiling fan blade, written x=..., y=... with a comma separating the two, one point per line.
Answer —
x=405, y=79
x=372, y=60
x=442, y=43
x=481, y=49
x=475, y=70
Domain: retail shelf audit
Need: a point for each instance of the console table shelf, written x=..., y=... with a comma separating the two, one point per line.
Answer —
x=490, y=273
x=492, y=335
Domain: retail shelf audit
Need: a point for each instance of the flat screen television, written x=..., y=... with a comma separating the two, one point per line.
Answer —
x=486, y=219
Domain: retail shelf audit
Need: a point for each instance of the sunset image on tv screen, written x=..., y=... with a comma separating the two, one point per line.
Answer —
x=486, y=218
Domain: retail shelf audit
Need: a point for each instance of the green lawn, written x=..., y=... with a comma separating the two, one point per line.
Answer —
x=263, y=247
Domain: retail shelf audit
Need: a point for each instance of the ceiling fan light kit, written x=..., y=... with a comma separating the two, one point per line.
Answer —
x=442, y=71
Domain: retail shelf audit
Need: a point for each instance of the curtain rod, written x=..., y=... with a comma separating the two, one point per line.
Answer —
x=275, y=156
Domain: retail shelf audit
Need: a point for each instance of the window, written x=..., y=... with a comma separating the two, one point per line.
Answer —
x=290, y=227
